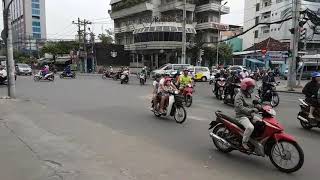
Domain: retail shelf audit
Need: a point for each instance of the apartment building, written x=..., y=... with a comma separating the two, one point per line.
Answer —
x=28, y=23
x=152, y=29
x=274, y=10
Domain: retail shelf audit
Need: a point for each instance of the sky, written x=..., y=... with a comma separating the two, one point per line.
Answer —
x=61, y=13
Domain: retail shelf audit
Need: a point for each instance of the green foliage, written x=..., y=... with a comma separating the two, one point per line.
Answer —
x=106, y=38
x=59, y=48
x=225, y=54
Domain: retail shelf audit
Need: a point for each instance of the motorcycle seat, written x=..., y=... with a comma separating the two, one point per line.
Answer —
x=231, y=119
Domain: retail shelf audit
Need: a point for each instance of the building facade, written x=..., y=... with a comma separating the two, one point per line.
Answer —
x=275, y=10
x=28, y=24
x=151, y=30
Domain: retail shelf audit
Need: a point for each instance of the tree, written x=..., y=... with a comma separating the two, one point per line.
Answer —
x=106, y=38
x=225, y=54
x=59, y=48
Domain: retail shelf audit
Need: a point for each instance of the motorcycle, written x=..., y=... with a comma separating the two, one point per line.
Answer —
x=142, y=79
x=124, y=77
x=255, y=76
x=270, y=95
x=174, y=108
x=187, y=94
x=228, y=99
x=268, y=139
x=116, y=75
x=220, y=90
x=303, y=116
x=211, y=80
x=38, y=77
x=68, y=75
x=107, y=74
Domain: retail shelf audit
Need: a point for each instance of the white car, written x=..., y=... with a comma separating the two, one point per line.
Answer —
x=169, y=69
x=236, y=68
x=23, y=69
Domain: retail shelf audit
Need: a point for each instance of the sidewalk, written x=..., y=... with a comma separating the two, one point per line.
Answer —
x=40, y=142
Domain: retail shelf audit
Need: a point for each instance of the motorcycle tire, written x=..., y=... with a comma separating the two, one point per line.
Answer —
x=188, y=100
x=216, y=143
x=74, y=76
x=36, y=78
x=182, y=109
x=61, y=76
x=275, y=100
x=51, y=79
x=104, y=76
x=297, y=148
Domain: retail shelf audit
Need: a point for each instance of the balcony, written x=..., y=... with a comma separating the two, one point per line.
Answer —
x=160, y=45
x=145, y=6
x=212, y=7
x=265, y=20
x=212, y=25
x=176, y=5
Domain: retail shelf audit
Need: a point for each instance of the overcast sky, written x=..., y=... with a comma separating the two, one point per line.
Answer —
x=61, y=13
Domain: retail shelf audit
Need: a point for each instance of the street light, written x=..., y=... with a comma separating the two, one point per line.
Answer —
x=217, y=61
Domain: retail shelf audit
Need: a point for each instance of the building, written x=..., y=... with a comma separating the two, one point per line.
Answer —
x=28, y=24
x=235, y=43
x=270, y=11
x=151, y=30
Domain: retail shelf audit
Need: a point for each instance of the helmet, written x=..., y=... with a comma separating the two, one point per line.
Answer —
x=315, y=74
x=247, y=83
x=166, y=80
x=157, y=76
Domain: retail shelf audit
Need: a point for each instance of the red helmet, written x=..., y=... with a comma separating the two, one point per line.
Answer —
x=247, y=83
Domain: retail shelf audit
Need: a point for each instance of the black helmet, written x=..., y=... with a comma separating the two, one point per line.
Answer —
x=158, y=76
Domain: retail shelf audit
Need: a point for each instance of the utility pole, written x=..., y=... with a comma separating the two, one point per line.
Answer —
x=218, y=43
x=83, y=23
x=8, y=39
x=292, y=79
x=184, y=33
x=30, y=54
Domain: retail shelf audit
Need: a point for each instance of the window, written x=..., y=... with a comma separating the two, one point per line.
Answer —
x=36, y=36
x=169, y=67
x=256, y=33
x=36, y=6
x=36, y=23
x=258, y=7
x=35, y=12
x=36, y=1
x=257, y=20
x=36, y=29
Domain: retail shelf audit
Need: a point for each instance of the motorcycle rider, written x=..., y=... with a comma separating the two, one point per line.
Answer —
x=244, y=111
x=144, y=72
x=184, y=79
x=220, y=74
x=311, y=91
x=267, y=81
x=244, y=74
x=45, y=70
x=231, y=83
x=67, y=70
x=165, y=85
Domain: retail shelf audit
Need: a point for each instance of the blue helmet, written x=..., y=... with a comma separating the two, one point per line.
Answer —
x=315, y=74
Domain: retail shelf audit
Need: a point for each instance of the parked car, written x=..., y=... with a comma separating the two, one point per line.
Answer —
x=23, y=69
x=236, y=68
x=169, y=69
x=200, y=73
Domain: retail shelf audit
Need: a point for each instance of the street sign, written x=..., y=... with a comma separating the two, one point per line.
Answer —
x=264, y=51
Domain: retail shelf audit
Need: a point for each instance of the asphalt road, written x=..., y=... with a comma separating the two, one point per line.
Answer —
x=125, y=108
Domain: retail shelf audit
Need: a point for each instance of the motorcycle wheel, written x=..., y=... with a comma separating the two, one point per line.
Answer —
x=61, y=76
x=220, y=94
x=221, y=131
x=180, y=114
x=36, y=78
x=188, y=101
x=305, y=125
x=51, y=78
x=74, y=76
x=275, y=100
x=104, y=76
x=277, y=159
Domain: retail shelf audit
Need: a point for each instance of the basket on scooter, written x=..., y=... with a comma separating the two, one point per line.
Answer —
x=179, y=99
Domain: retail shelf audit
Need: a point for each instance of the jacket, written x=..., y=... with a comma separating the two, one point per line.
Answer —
x=241, y=106
x=311, y=89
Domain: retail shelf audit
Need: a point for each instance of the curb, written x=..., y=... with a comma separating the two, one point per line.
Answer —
x=81, y=74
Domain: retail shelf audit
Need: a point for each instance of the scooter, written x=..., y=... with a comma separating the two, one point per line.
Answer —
x=270, y=95
x=268, y=139
x=68, y=75
x=187, y=94
x=124, y=77
x=221, y=82
x=174, y=108
x=142, y=79
x=37, y=77
x=303, y=116
x=228, y=99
